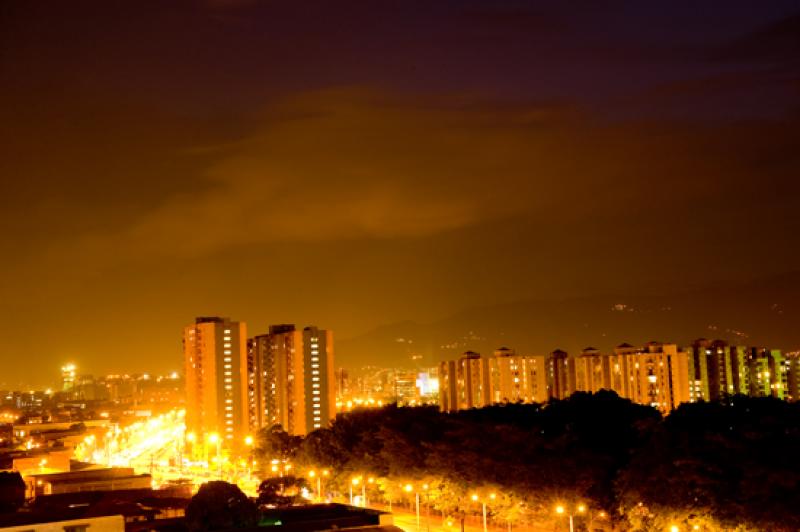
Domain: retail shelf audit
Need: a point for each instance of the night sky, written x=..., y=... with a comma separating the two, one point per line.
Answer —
x=353, y=164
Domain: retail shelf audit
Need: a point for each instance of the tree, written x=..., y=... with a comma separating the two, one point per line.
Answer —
x=12, y=491
x=219, y=505
x=274, y=443
x=281, y=491
x=733, y=462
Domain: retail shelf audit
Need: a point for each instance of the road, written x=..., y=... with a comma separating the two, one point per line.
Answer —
x=408, y=522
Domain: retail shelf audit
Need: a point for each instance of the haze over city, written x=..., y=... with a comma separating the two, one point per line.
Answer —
x=362, y=165
x=399, y=266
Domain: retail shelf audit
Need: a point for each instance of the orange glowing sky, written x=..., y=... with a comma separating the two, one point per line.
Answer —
x=374, y=162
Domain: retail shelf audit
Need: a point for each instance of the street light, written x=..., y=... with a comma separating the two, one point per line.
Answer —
x=248, y=441
x=370, y=480
x=475, y=498
x=353, y=482
x=313, y=474
x=409, y=488
x=213, y=438
x=560, y=510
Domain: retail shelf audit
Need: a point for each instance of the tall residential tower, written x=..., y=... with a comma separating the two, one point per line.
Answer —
x=215, y=359
x=291, y=379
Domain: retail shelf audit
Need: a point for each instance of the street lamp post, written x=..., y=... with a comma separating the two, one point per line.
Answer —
x=313, y=474
x=427, y=509
x=409, y=488
x=353, y=482
x=483, y=505
x=363, y=494
x=370, y=480
x=561, y=510
x=214, y=439
x=248, y=441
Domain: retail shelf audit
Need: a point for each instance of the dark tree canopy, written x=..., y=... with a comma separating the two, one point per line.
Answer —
x=735, y=461
x=281, y=491
x=219, y=505
x=12, y=491
x=729, y=463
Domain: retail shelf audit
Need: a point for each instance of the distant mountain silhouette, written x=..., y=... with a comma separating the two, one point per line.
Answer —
x=765, y=313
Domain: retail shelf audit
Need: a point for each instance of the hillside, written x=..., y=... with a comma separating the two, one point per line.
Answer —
x=764, y=312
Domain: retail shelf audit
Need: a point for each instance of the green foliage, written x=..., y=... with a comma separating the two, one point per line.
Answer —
x=219, y=505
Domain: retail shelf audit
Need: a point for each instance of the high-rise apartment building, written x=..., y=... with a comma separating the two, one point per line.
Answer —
x=562, y=375
x=320, y=382
x=291, y=380
x=472, y=375
x=792, y=370
x=215, y=362
x=67, y=377
x=593, y=371
x=448, y=386
x=518, y=378
x=658, y=374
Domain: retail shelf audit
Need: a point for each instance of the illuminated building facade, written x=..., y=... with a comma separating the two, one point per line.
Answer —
x=657, y=374
x=517, y=378
x=68, y=377
x=562, y=375
x=718, y=370
x=473, y=382
x=792, y=370
x=448, y=386
x=319, y=379
x=593, y=371
x=215, y=361
x=291, y=380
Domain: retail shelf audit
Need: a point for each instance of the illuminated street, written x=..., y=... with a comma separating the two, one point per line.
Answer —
x=158, y=447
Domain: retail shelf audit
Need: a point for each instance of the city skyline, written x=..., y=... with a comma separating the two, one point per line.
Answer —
x=364, y=165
